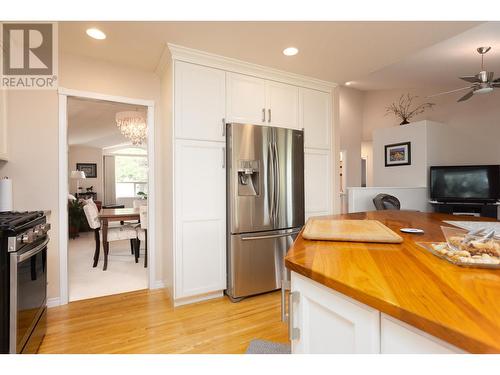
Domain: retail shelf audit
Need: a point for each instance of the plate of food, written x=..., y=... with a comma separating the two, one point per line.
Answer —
x=479, y=248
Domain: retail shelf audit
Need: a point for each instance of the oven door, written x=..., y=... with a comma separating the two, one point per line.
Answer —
x=28, y=293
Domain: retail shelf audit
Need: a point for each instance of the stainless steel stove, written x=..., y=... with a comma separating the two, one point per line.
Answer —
x=23, y=280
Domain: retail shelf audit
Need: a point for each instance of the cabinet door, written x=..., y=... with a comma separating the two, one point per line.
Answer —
x=282, y=105
x=397, y=337
x=328, y=322
x=315, y=118
x=317, y=182
x=246, y=99
x=200, y=102
x=200, y=218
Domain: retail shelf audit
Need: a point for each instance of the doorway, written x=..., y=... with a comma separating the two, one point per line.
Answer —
x=104, y=166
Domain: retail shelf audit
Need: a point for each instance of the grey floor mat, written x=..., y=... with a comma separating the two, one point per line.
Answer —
x=267, y=347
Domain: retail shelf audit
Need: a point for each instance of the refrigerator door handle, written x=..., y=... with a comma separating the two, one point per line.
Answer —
x=271, y=184
x=276, y=183
x=251, y=238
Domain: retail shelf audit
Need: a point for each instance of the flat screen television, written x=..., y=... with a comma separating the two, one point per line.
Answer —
x=470, y=183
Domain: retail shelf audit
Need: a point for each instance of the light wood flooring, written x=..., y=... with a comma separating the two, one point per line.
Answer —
x=145, y=322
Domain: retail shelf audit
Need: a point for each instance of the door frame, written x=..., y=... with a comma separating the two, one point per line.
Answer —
x=64, y=94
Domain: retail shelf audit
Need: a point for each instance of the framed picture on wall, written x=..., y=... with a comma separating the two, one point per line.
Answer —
x=90, y=169
x=398, y=154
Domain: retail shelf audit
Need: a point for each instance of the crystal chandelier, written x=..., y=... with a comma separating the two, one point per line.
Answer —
x=132, y=125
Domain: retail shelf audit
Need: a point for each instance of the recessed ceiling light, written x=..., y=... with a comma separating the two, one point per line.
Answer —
x=290, y=51
x=96, y=33
x=349, y=83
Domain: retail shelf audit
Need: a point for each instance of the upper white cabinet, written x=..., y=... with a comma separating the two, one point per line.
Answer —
x=282, y=105
x=200, y=102
x=246, y=99
x=262, y=102
x=200, y=218
x=315, y=118
x=326, y=322
x=3, y=125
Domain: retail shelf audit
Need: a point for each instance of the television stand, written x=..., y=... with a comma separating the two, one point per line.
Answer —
x=467, y=208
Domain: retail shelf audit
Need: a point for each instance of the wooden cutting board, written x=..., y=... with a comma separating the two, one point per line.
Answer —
x=349, y=230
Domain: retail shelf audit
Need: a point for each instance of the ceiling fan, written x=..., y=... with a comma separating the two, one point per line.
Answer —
x=482, y=83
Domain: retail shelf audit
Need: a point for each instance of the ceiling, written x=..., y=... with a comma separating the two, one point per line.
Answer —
x=441, y=64
x=92, y=122
x=332, y=51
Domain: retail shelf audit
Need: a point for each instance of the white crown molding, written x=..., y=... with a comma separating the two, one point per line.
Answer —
x=165, y=58
x=233, y=65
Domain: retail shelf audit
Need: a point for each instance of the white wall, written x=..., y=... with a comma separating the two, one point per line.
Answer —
x=85, y=154
x=404, y=175
x=351, y=129
x=33, y=140
x=476, y=120
x=472, y=129
x=411, y=198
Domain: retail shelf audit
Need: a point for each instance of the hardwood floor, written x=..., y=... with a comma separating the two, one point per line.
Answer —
x=145, y=322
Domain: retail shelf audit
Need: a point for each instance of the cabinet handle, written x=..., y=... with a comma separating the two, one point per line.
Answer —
x=269, y=115
x=223, y=127
x=293, y=333
x=263, y=115
x=223, y=157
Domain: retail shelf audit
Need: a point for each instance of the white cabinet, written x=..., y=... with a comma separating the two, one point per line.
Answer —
x=325, y=321
x=200, y=218
x=317, y=182
x=246, y=99
x=3, y=124
x=203, y=91
x=315, y=118
x=200, y=102
x=282, y=105
x=329, y=322
x=257, y=101
x=400, y=338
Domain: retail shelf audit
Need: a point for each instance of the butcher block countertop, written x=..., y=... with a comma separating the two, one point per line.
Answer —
x=456, y=304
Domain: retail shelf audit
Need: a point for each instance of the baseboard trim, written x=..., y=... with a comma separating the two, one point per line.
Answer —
x=53, y=302
x=198, y=298
x=158, y=284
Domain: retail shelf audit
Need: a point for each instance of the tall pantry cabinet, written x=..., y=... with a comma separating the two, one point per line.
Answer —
x=208, y=92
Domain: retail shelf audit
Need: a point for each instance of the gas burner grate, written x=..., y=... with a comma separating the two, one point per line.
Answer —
x=14, y=219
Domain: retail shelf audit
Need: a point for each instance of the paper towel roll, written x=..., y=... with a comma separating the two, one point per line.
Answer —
x=5, y=194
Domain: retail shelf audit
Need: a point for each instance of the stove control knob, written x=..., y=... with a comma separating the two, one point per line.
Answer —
x=27, y=237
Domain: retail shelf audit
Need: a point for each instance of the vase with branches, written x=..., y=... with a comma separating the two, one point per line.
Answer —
x=405, y=110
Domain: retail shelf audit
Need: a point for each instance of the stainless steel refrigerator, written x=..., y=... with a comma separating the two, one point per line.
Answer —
x=265, y=202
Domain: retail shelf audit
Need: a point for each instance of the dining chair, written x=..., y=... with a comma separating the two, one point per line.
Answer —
x=123, y=232
x=142, y=234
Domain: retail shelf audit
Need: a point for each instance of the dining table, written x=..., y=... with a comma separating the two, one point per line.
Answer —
x=107, y=215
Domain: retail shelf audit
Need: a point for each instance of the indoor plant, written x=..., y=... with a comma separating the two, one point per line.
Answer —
x=75, y=217
x=403, y=110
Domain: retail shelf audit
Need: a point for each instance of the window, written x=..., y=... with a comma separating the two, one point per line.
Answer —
x=131, y=174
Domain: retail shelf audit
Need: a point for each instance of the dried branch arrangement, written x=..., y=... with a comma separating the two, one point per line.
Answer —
x=403, y=108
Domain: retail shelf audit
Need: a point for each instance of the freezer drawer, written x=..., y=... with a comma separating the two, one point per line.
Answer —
x=256, y=261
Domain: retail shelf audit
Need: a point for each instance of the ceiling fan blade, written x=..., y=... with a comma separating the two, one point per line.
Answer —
x=496, y=80
x=471, y=79
x=449, y=92
x=497, y=84
x=466, y=96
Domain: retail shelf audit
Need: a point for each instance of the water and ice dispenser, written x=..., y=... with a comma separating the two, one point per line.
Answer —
x=248, y=177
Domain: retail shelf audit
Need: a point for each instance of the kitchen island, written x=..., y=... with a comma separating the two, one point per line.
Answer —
x=390, y=298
